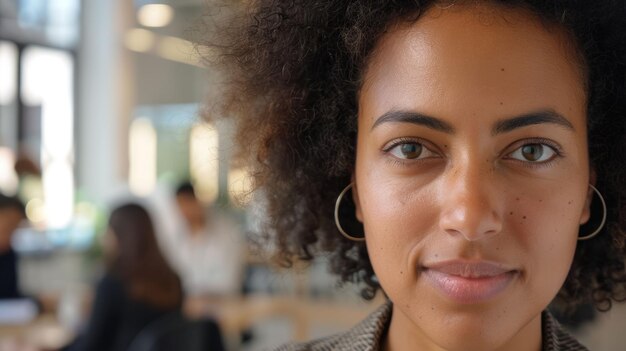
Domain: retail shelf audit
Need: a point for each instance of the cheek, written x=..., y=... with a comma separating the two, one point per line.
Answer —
x=543, y=215
x=396, y=220
x=545, y=228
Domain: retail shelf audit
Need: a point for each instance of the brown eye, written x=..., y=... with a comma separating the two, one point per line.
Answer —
x=410, y=151
x=533, y=153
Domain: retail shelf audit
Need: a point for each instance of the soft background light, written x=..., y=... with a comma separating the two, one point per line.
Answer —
x=143, y=157
x=204, y=160
x=177, y=49
x=155, y=15
x=139, y=40
x=240, y=185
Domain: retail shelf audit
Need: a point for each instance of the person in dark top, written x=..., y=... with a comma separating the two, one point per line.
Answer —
x=138, y=288
x=11, y=214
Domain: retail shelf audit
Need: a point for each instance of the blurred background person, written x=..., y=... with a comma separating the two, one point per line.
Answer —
x=138, y=287
x=12, y=213
x=207, y=253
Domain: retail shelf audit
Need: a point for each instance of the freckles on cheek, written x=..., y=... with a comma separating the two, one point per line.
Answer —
x=537, y=215
x=547, y=235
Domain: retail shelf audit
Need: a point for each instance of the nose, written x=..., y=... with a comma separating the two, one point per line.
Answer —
x=470, y=202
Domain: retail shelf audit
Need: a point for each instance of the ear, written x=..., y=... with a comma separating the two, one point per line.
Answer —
x=355, y=199
x=586, y=212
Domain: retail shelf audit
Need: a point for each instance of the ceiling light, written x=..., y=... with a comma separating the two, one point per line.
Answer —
x=155, y=15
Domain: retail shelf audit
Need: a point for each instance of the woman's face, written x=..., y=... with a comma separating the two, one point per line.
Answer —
x=471, y=175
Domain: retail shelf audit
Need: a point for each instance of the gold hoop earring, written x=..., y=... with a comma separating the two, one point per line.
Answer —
x=343, y=232
x=595, y=232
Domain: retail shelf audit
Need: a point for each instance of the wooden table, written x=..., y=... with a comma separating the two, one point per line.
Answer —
x=43, y=333
x=235, y=315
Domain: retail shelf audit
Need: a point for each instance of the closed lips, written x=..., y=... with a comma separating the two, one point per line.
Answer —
x=469, y=282
x=470, y=269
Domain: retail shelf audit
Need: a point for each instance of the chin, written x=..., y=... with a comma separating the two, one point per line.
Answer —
x=475, y=330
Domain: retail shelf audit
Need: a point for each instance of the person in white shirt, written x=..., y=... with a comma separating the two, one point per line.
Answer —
x=208, y=251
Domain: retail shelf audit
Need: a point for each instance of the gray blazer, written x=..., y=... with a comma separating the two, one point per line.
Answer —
x=367, y=336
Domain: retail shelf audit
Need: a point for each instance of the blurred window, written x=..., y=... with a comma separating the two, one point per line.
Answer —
x=57, y=20
x=8, y=98
x=32, y=13
x=37, y=101
x=48, y=124
x=8, y=116
x=175, y=145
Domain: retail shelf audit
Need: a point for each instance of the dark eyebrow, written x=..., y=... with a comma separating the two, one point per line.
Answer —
x=539, y=117
x=415, y=118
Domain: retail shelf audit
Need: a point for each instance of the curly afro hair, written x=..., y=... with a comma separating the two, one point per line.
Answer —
x=293, y=70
